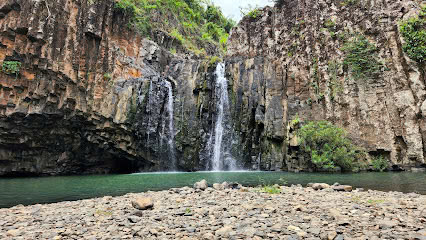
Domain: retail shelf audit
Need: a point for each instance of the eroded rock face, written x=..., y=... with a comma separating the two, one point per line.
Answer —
x=283, y=64
x=90, y=94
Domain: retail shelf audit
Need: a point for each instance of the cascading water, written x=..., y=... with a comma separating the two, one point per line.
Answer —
x=221, y=159
x=148, y=107
x=171, y=135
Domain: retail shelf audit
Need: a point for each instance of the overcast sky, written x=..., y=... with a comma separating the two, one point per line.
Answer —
x=231, y=8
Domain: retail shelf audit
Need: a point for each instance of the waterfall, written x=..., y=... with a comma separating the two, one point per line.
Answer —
x=221, y=159
x=171, y=135
x=148, y=108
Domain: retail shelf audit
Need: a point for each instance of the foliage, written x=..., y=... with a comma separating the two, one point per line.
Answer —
x=196, y=24
x=413, y=31
x=379, y=163
x=107, y=76
x=361, y=57
x=295, y=121
x=214, y=60
x=251, y=11
x=271, y=189
x=375, y=201
x=11, y=67
x=349, y=2
x=327, y=145
x=334, y=84
x=330, y=24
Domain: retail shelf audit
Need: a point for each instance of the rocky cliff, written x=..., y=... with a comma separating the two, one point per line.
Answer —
x=287, y=62
x=82, y=93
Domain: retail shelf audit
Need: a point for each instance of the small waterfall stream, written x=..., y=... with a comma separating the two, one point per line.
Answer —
x=221, y=159
x=171, y=135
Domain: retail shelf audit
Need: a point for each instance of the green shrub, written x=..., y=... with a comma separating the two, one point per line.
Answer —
x=379, y=163
x=328, y=146
x=107, y=76
x=413, y=31
x=271, y=189
x=361, y=56
x=11, y=67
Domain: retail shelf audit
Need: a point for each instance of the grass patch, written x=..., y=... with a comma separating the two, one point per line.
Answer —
x=270, y=189
x=103, y=213
x=375, y=201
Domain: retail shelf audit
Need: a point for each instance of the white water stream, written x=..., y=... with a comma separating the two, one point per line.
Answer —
x=171, y=135
x=220, y=159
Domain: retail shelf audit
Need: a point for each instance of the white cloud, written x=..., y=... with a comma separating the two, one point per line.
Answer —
x=231, y=8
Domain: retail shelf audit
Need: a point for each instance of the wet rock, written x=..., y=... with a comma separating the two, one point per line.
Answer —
x=143, y=203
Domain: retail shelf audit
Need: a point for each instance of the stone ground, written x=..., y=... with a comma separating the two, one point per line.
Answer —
x=247, y=213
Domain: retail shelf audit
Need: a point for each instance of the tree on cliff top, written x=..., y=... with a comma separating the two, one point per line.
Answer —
x=198, y=25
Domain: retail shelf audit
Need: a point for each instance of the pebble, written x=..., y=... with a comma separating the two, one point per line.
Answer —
x=225, y=212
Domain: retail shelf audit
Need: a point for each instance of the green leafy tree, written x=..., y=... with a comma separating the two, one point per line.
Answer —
x=413, y=31
x=328, y=146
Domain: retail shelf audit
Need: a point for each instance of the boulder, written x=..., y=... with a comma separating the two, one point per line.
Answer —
x=320, y=186
x=202, y=185
x=218, y=186
x=342, y=188
x=143, y=203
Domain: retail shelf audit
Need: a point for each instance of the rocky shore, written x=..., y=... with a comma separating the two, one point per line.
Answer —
x=226, y=211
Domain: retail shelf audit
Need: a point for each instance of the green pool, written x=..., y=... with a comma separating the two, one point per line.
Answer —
x=14, y=191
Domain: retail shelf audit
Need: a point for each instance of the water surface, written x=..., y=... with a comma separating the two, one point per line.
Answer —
x=14, y=191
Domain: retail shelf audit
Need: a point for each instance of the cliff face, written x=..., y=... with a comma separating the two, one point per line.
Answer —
x=287, y=63
x=89, y=95
x=82, y=93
